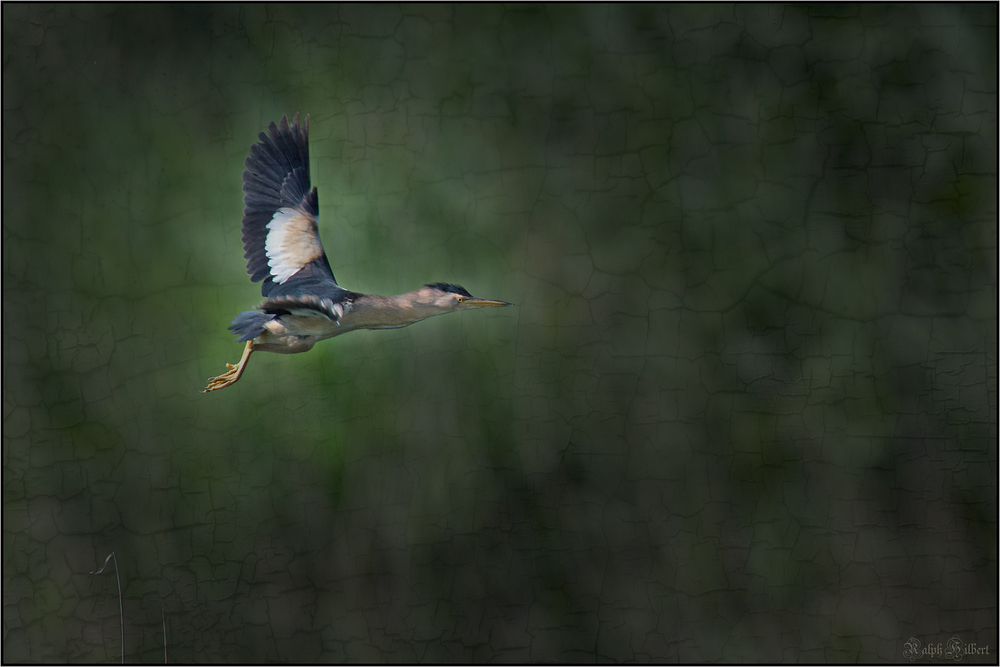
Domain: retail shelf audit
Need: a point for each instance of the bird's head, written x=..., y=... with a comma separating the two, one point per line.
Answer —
x=448, y=297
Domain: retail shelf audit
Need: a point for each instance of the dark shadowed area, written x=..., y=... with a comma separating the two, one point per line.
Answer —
x=745, y=408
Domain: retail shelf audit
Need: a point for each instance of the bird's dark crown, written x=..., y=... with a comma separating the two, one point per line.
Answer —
x=448, y=287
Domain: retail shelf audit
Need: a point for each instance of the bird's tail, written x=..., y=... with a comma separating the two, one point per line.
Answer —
x=249, y=324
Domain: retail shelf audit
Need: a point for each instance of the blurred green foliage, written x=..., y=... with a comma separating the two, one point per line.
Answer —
x=745, y=409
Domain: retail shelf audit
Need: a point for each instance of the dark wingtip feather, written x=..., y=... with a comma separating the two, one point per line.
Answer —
x=248, y=325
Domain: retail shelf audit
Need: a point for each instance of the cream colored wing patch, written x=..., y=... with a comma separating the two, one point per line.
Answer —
x=292, y=242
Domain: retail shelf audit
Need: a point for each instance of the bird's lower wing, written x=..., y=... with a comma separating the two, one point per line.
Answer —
x=306, y=306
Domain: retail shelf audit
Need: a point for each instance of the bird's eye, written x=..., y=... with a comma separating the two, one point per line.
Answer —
x=461, y=299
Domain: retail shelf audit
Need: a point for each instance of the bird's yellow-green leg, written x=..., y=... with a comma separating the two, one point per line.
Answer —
x=233, y=374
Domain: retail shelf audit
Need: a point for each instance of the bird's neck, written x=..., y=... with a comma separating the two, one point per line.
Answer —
x=374, y=311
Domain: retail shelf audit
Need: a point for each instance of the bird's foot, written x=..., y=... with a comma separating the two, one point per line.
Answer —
x=232, y=375
x=224, y=380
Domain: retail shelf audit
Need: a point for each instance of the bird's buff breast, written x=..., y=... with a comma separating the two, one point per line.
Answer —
x=291, y=334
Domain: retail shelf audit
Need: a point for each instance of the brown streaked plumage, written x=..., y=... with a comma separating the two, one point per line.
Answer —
x=303, y=303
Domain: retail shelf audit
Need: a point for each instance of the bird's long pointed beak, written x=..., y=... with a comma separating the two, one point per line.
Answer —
x=476, y=302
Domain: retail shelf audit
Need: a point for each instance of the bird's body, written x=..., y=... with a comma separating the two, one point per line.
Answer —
x=303, y=302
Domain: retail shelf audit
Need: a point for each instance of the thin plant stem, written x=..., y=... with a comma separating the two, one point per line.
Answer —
x=121, y=604
x=164, y=619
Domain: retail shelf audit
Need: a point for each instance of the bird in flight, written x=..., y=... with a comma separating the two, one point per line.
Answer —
x=303, y=303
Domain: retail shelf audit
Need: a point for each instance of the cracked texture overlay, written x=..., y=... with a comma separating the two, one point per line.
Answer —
x=745, y=408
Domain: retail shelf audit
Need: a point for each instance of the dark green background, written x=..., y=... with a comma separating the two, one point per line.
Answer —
x=745, y=408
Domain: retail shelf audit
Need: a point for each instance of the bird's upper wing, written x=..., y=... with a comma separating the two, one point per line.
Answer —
x=280, y=237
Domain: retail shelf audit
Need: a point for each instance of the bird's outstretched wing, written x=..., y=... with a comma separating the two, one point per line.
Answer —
x=280, y=237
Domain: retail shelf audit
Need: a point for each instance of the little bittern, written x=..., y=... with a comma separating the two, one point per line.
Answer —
x=303, y=303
